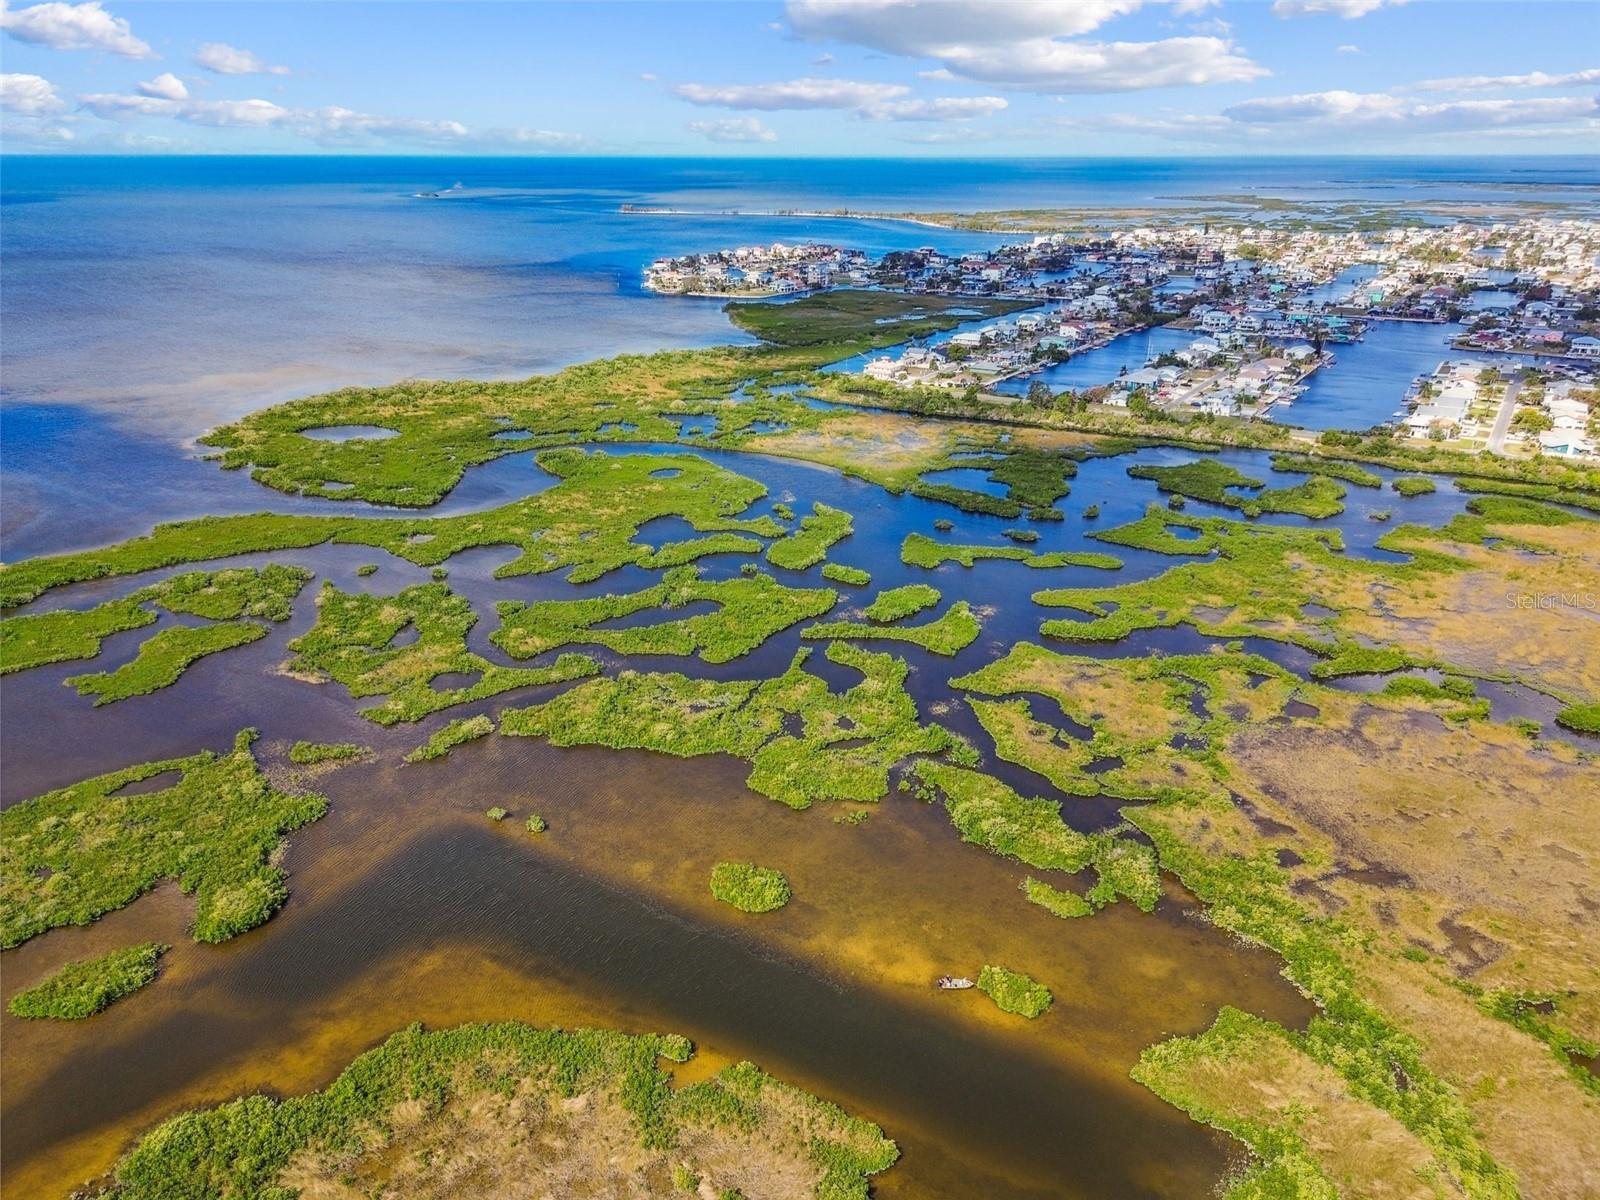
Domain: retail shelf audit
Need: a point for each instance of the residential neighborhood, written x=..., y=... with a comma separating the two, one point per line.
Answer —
x=1239, y=320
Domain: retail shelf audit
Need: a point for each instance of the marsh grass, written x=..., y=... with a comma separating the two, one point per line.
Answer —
x=951, y=633
x=73, y=854
x=584, y=524
x=37, y=639
x=751, y=719
x=808, y=544
x=919, y=550
x=851, y=576
x=1303, y=464
x=1212, y=481
x=749, y=610
x=351, y=643
x=307, y=754
x=83, y=988
x=1580, y=718
x=1054, y=901
x=163, y=658
x=898, y=603
x=1414, y=485
x=267, y=593
x=456, y=733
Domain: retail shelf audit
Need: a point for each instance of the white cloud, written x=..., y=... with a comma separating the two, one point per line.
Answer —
x=925, y=28
x=335, y=124
x=873, y=101
x=1348, y=48
x=1534, y=79
x=734, y=129
x=330, y=125
x=822, y=60
x=29, y=96
x=955, y=135
x=1182, y=126
x=1078, y=67
x=230, y=60
x=1383, y=113
x=1026, y=44
x=231, y=113
x=64, y=26
x=544, y=139
x=945, y=108
x=1351, y=118
x=795, y=93
x=165, y=86
x=37, y=133
x=1348, y=9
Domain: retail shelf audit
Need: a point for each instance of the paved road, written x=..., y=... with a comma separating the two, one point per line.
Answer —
x=1502, y=422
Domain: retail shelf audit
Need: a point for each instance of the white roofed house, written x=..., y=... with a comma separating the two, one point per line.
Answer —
x=1569, y=432
x=884, y=369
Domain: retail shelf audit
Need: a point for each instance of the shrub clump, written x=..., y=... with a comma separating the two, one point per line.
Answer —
x=953, y=632
x=466, y=729
x=839, y=573
x=900, y=602
x=307, y=754
x=807, y=545
x=750, y=888
x=81, y=989
x=1414, y=485
x=1014, y=992
x=1580, y=718
x=1055, y=901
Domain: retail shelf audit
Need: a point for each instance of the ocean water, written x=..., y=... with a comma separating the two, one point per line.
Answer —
x=145, y=300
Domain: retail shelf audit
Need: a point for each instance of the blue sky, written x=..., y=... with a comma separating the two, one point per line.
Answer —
x=803, y=77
